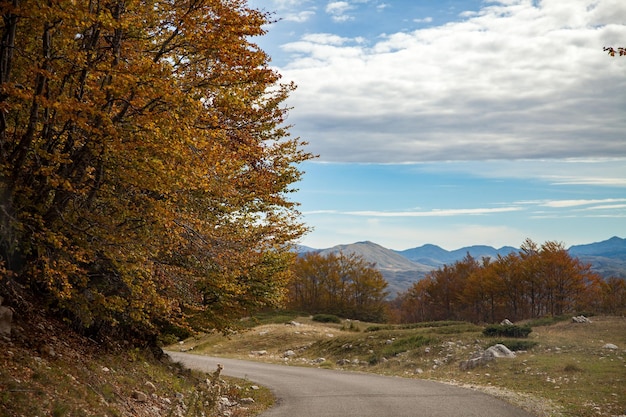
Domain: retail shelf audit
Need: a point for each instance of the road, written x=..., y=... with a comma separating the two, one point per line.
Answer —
x=312, y=392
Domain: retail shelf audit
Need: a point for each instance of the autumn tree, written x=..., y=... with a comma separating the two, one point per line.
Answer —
x=342, y=284
x=536, y=281
x=145, y=169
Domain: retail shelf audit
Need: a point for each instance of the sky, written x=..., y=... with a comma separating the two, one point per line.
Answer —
x=454, y=122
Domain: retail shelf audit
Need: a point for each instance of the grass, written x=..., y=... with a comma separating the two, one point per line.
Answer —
x=561, y=369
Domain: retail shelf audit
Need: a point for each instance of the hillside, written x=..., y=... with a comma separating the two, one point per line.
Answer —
x=46, y=369
x=398, y=271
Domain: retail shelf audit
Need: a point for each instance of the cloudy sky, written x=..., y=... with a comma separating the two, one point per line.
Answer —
x=456, y=122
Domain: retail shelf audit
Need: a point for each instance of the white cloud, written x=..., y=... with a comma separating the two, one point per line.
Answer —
x=299, y=17
x=514, y=81
x=577, y=203
x=338, y=9
x=435, y=212
x=424, y=20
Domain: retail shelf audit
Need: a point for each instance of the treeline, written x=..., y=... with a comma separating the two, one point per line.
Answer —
x=341, y=284
x=536, y=281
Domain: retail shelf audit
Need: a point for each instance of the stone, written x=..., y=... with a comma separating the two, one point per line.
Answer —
x=610, y=346
x=139, y=396
x=580, y=319
x=500, y=351
x=150, y=386
x=289, y=354
x=247, y=400
x=6, y=319
x=506, y=322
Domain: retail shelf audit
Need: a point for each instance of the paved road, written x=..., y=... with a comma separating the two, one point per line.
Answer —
x=311, y=392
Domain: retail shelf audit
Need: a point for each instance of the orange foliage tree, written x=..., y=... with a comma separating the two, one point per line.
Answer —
x=537, y=281
x=343, y=284
x=145, y=169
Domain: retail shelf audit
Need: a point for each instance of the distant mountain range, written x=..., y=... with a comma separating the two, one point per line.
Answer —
x=402, y=268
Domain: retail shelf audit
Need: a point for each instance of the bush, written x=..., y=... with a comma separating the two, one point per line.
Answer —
x=506, y=330
x=326, y=318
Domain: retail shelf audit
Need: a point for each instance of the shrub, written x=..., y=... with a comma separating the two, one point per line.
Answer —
x=506, y=330
x=326, y=318
x=405, y=344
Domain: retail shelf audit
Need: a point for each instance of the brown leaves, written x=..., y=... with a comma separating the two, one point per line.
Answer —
x=621, y=51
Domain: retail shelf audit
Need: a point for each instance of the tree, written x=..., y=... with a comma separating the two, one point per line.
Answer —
x=144, y=166
x=342, y=284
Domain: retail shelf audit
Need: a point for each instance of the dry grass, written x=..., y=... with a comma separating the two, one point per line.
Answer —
x=566, y=373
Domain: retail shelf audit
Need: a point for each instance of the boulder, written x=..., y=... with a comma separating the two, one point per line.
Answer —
x=580, y=319
x=500, y=351
x=482, y=358
x=506, y=322
x=610, y=346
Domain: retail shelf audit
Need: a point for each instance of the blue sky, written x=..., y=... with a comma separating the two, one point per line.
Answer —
x=456, y=122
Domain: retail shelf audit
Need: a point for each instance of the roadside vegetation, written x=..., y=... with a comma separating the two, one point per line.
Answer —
x=561, y=368
x=48, y=370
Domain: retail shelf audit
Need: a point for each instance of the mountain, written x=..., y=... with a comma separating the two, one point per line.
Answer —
x=403, y=268
x=435, y=256
x=614, y=248
x=607, y=258
x=399, y=272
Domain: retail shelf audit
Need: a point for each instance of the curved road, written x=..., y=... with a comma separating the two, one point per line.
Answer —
x=312, y=392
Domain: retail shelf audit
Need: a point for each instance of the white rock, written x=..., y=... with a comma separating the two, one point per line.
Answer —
x=610, y=346
x=501, y=351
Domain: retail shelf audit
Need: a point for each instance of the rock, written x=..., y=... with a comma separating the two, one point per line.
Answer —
x=6, y=318
x=343, y=362
x=254, y=387
x=47, y=350
x=610, y=346
x=318, y=360
x=580, y=319
x=293, y=323
x=500, y=351
x=139, y=396
x=150, y=386
x=479, y=359
x=258, y=352
x=506, y=322
x=289, y=354
x=247, y=400
x=226, y=402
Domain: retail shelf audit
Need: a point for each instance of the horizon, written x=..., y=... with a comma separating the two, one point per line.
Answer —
x=459, y=248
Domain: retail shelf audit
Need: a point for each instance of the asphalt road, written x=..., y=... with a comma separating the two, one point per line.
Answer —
x=312, y=392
